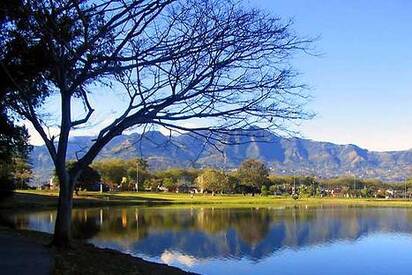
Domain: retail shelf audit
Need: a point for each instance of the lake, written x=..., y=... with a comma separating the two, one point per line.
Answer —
x=304, y=240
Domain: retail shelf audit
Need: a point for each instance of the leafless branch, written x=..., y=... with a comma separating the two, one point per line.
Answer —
x=90, y=110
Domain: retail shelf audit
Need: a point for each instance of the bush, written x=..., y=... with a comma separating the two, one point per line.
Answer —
x=272, y=189
x=264, y=190
x=169, y=183
x=152, y=184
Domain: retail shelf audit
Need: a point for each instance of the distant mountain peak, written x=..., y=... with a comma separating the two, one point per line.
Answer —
x=281, y=154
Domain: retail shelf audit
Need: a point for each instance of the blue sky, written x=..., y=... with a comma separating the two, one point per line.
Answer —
x=361, y=84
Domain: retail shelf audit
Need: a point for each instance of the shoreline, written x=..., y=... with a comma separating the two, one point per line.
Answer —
x=91, y=259
x=45, y=200
x=88, y=258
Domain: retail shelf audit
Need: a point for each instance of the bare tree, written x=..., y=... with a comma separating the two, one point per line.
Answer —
x=177, y=60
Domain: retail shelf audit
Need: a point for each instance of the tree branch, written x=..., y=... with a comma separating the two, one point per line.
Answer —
x=90, y=110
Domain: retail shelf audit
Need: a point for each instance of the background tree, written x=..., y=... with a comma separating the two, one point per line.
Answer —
x=264, y=190
x=114, y=170
x=174, y=177
x=22, y=172
x=132, y=166
x=282, y=183
x=23, y=64
x=253, y=174
x=152, y=184
x=177, y=60
x=86, y=179
x=170, y=184
x=14, y=146
x=15, y=171
x=273, y=189
x=213, y=181
x=111, y=170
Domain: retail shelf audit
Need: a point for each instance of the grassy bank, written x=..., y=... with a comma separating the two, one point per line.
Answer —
x=48, y=199
x=84, y=258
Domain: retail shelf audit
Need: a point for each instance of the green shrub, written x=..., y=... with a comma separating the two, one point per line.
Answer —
x=272, y=189
x=264, y=190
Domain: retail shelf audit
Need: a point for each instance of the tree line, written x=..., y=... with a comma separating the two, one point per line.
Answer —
x=252, y=177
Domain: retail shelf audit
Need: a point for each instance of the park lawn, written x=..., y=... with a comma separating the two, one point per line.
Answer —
x=237, y=200
x=48, y=199
x=33, y=199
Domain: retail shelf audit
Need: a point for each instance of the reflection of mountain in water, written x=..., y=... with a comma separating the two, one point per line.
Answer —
x=222, y=233
x=293, y=229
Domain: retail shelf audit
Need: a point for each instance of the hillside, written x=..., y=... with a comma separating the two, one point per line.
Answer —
x=281, y=155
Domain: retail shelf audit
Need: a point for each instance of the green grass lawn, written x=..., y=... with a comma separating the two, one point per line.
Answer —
x=48, y=199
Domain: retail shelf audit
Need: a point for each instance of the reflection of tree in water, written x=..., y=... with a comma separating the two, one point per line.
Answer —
x=40, y=221
x=258, y=232
x=251, y=225
x=85, y=225
x=13, y=221
x=317, y=226
x=223, y=232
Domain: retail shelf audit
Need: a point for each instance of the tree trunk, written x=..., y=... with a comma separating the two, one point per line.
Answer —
x=62, y=229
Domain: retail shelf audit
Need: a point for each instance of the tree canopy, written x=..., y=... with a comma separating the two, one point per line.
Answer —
x=172, y=60
x=213, y=181
x=118, y=171
x=253, y=173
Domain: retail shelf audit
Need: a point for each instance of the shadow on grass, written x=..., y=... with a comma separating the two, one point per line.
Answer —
x=111, y=196
x=50, y=200
x=27, y=199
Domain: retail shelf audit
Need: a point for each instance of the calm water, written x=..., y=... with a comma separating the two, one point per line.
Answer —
x=326, y=240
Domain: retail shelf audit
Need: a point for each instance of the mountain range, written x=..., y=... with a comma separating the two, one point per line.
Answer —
x=283, y=155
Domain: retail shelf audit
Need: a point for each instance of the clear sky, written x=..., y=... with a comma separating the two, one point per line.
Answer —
x=362, y=82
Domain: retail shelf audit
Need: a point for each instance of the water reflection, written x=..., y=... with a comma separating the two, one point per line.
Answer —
x=193, y=235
